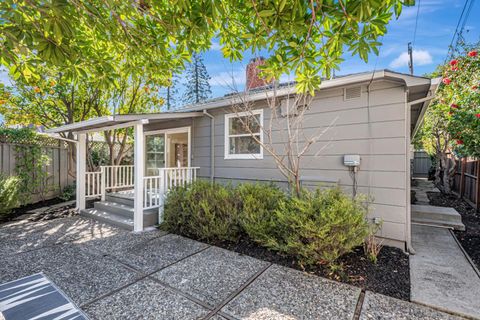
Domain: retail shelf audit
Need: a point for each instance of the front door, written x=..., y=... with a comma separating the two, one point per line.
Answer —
x=155, y=153
x=166, y=149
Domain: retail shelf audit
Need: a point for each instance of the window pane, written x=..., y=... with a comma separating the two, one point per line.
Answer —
x=240, y=125
x=244, y=145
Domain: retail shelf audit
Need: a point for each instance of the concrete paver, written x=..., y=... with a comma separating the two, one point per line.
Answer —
x=440, y=274
x=211, y=275
x=284, y=293
x=146, y=299
x=380, y=307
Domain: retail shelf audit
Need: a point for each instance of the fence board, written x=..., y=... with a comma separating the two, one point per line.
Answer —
x=467, y=181
x=57, y=169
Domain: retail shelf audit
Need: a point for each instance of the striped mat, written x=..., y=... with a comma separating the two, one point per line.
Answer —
x=36, y=297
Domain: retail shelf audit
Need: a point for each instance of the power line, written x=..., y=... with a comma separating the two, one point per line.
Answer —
x=451, y=49
x=416, y=24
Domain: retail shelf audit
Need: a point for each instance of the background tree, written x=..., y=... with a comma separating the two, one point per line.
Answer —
x=155, y=37
x=197, y=86
x=451, y=126
x=171, y=93
x=54, y=100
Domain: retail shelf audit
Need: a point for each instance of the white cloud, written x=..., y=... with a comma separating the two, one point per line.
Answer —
x=229, y=80
x=215, y=46
x=420, y=58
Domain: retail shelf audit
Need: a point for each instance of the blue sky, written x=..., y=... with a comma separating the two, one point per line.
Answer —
x=436, y=25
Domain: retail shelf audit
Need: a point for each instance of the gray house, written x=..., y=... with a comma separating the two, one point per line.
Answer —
x=369, y=120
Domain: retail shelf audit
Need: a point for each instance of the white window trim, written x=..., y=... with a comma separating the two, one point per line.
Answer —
x=229, y=116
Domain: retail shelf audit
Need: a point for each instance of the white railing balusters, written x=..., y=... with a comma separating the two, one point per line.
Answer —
x=155, y=187
x=93, y=184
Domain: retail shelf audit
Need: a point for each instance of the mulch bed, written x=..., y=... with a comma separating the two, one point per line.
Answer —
x=389, y=276
x=35, y=212
x=470, y=238
x=29, y=207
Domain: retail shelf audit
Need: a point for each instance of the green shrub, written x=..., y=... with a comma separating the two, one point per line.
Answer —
x=9, y=194
x=204, y=211
x=320, y=226
x=68, y=193
x=258, y=202
x=317, y=227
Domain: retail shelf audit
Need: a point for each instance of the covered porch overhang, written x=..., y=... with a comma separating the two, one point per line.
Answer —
x=148, y=191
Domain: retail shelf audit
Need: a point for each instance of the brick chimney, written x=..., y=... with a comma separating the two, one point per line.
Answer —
x=253, y=79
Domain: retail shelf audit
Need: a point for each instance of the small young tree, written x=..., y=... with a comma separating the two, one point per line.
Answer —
x=285, y=137
x=197, y=87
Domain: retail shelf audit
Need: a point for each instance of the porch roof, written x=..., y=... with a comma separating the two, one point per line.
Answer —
x=106, y=122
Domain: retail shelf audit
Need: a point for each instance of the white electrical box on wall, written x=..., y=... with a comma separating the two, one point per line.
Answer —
x=351, y=160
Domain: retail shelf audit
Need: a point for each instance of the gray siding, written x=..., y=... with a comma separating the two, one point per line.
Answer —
x=374, y=127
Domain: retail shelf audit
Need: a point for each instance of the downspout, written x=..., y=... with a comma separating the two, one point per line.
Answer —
x=212, y=144
x=408, y=205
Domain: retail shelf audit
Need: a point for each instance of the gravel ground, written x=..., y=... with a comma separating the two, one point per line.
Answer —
x=470, y=238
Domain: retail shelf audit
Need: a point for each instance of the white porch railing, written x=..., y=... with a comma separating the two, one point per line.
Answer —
x=93, y=182
x=154, y=187
x=117, y=177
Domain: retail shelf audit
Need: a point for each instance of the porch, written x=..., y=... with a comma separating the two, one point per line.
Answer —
x=114, y=189
x=132, y=196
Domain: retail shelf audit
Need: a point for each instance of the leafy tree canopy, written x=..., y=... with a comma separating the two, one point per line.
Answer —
x=458, y=102
x=156, y=37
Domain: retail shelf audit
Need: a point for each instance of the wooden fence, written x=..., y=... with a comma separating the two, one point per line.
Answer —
x=466, y=183
x=57, y=169
x=421, y=163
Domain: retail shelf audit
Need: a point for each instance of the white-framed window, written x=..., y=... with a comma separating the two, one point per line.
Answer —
x=239, y=143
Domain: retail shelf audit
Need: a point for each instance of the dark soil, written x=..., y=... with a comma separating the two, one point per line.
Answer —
x=29, y=207
x=389, y=276
x=470, y=238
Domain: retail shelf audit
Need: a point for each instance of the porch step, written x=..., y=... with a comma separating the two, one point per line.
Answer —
x=110, y=218
x=120, y=208
x=150, y=216
x=120, y=197
x=437, y=216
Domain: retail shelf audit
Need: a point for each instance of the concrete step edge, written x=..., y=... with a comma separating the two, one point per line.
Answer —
x=457, y=226
x=109, y=218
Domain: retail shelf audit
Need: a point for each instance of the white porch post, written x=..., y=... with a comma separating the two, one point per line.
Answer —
x=138, y=176
x=81, y=169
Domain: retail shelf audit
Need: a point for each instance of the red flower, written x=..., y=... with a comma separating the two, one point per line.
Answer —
x=472, y=53
x=459, y=141
x=477, y=115
x=474, y=87
x=454, y=68
x=453, y=62
x=454, y=106
x=446, y=81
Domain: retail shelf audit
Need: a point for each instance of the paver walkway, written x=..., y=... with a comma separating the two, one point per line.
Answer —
x=115, y=274
x=440, y=274
x=423, y=185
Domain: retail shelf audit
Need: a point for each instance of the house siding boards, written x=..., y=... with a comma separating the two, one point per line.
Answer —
x=373, y=127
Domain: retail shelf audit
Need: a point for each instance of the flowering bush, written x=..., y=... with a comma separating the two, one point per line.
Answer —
x=460, y=90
